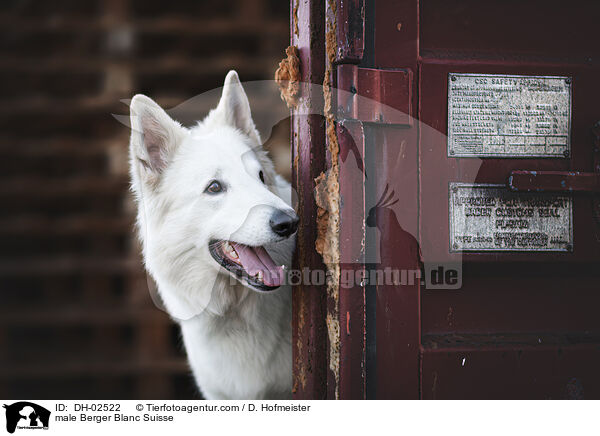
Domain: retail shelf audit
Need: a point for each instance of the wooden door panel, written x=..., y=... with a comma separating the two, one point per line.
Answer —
x=437, y=169
x=511, y=372
x=523, y=324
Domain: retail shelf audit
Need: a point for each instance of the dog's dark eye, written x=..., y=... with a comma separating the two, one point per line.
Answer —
x=214, y=187
x=262, y=176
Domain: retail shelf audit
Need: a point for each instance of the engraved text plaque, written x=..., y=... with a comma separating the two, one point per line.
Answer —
x=492, y=115
x=492, y=218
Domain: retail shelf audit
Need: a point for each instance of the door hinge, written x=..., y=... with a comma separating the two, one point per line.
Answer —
x=560, y=181
x=350, y=31
x=374, y=95
x=565, y=181
x=554, y=181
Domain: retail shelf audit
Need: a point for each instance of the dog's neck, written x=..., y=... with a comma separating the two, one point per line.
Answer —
x=240, y=309
x=224, y=298
x=229, y=296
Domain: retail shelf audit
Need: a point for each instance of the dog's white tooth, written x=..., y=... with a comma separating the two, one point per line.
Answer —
x=259, y=275
x=229, y=249
x=234, y=254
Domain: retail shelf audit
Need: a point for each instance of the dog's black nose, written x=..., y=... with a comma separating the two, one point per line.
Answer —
x=284, y=224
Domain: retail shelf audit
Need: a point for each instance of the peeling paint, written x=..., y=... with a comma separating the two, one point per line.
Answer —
x=333, y=331
x=302, y=368
x=295, y=18
x=300, y=372
x=348, y=323
x=288, y=77
x=328, y=205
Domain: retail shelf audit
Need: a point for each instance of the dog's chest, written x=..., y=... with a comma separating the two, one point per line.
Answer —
x=236, y=359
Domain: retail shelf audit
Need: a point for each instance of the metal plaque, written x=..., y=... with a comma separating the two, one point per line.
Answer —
x=491, y=115
x=493, y=218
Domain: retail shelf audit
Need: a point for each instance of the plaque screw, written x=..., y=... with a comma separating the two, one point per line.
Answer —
x=569, y=247
x=568, y=80
x=455, y=189
x=566, y=153
x=451, y=152
x=455, y=246
x=453, y=78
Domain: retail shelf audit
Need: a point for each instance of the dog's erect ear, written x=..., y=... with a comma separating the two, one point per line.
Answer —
x=234, y=107
x=154, y=136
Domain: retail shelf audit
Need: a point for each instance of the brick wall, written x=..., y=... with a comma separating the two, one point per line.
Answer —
x=76, y=317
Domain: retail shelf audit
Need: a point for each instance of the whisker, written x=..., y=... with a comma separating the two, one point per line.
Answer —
x=216, y=243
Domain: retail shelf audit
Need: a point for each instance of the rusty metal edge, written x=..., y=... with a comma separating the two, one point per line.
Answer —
x=309, y=337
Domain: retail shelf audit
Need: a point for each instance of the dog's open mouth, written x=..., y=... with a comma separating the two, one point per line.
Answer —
x=251, y=265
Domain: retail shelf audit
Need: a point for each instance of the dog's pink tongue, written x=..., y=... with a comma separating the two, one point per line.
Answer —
x=255, y=259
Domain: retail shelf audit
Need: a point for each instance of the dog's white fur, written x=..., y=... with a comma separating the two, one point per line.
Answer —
x=238, y=341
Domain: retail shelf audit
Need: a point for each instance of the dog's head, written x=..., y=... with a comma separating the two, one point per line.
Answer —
x=208, y=197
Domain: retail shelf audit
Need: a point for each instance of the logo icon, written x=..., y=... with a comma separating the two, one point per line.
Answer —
x=26, y=415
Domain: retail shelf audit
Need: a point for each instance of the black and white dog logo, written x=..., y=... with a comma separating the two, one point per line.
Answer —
x=26, y=415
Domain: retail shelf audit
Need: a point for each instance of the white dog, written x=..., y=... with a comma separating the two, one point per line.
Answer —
x=217, y=232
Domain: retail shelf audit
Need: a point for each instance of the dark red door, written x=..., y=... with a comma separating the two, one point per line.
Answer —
x=523, y=324
x=481, y=178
